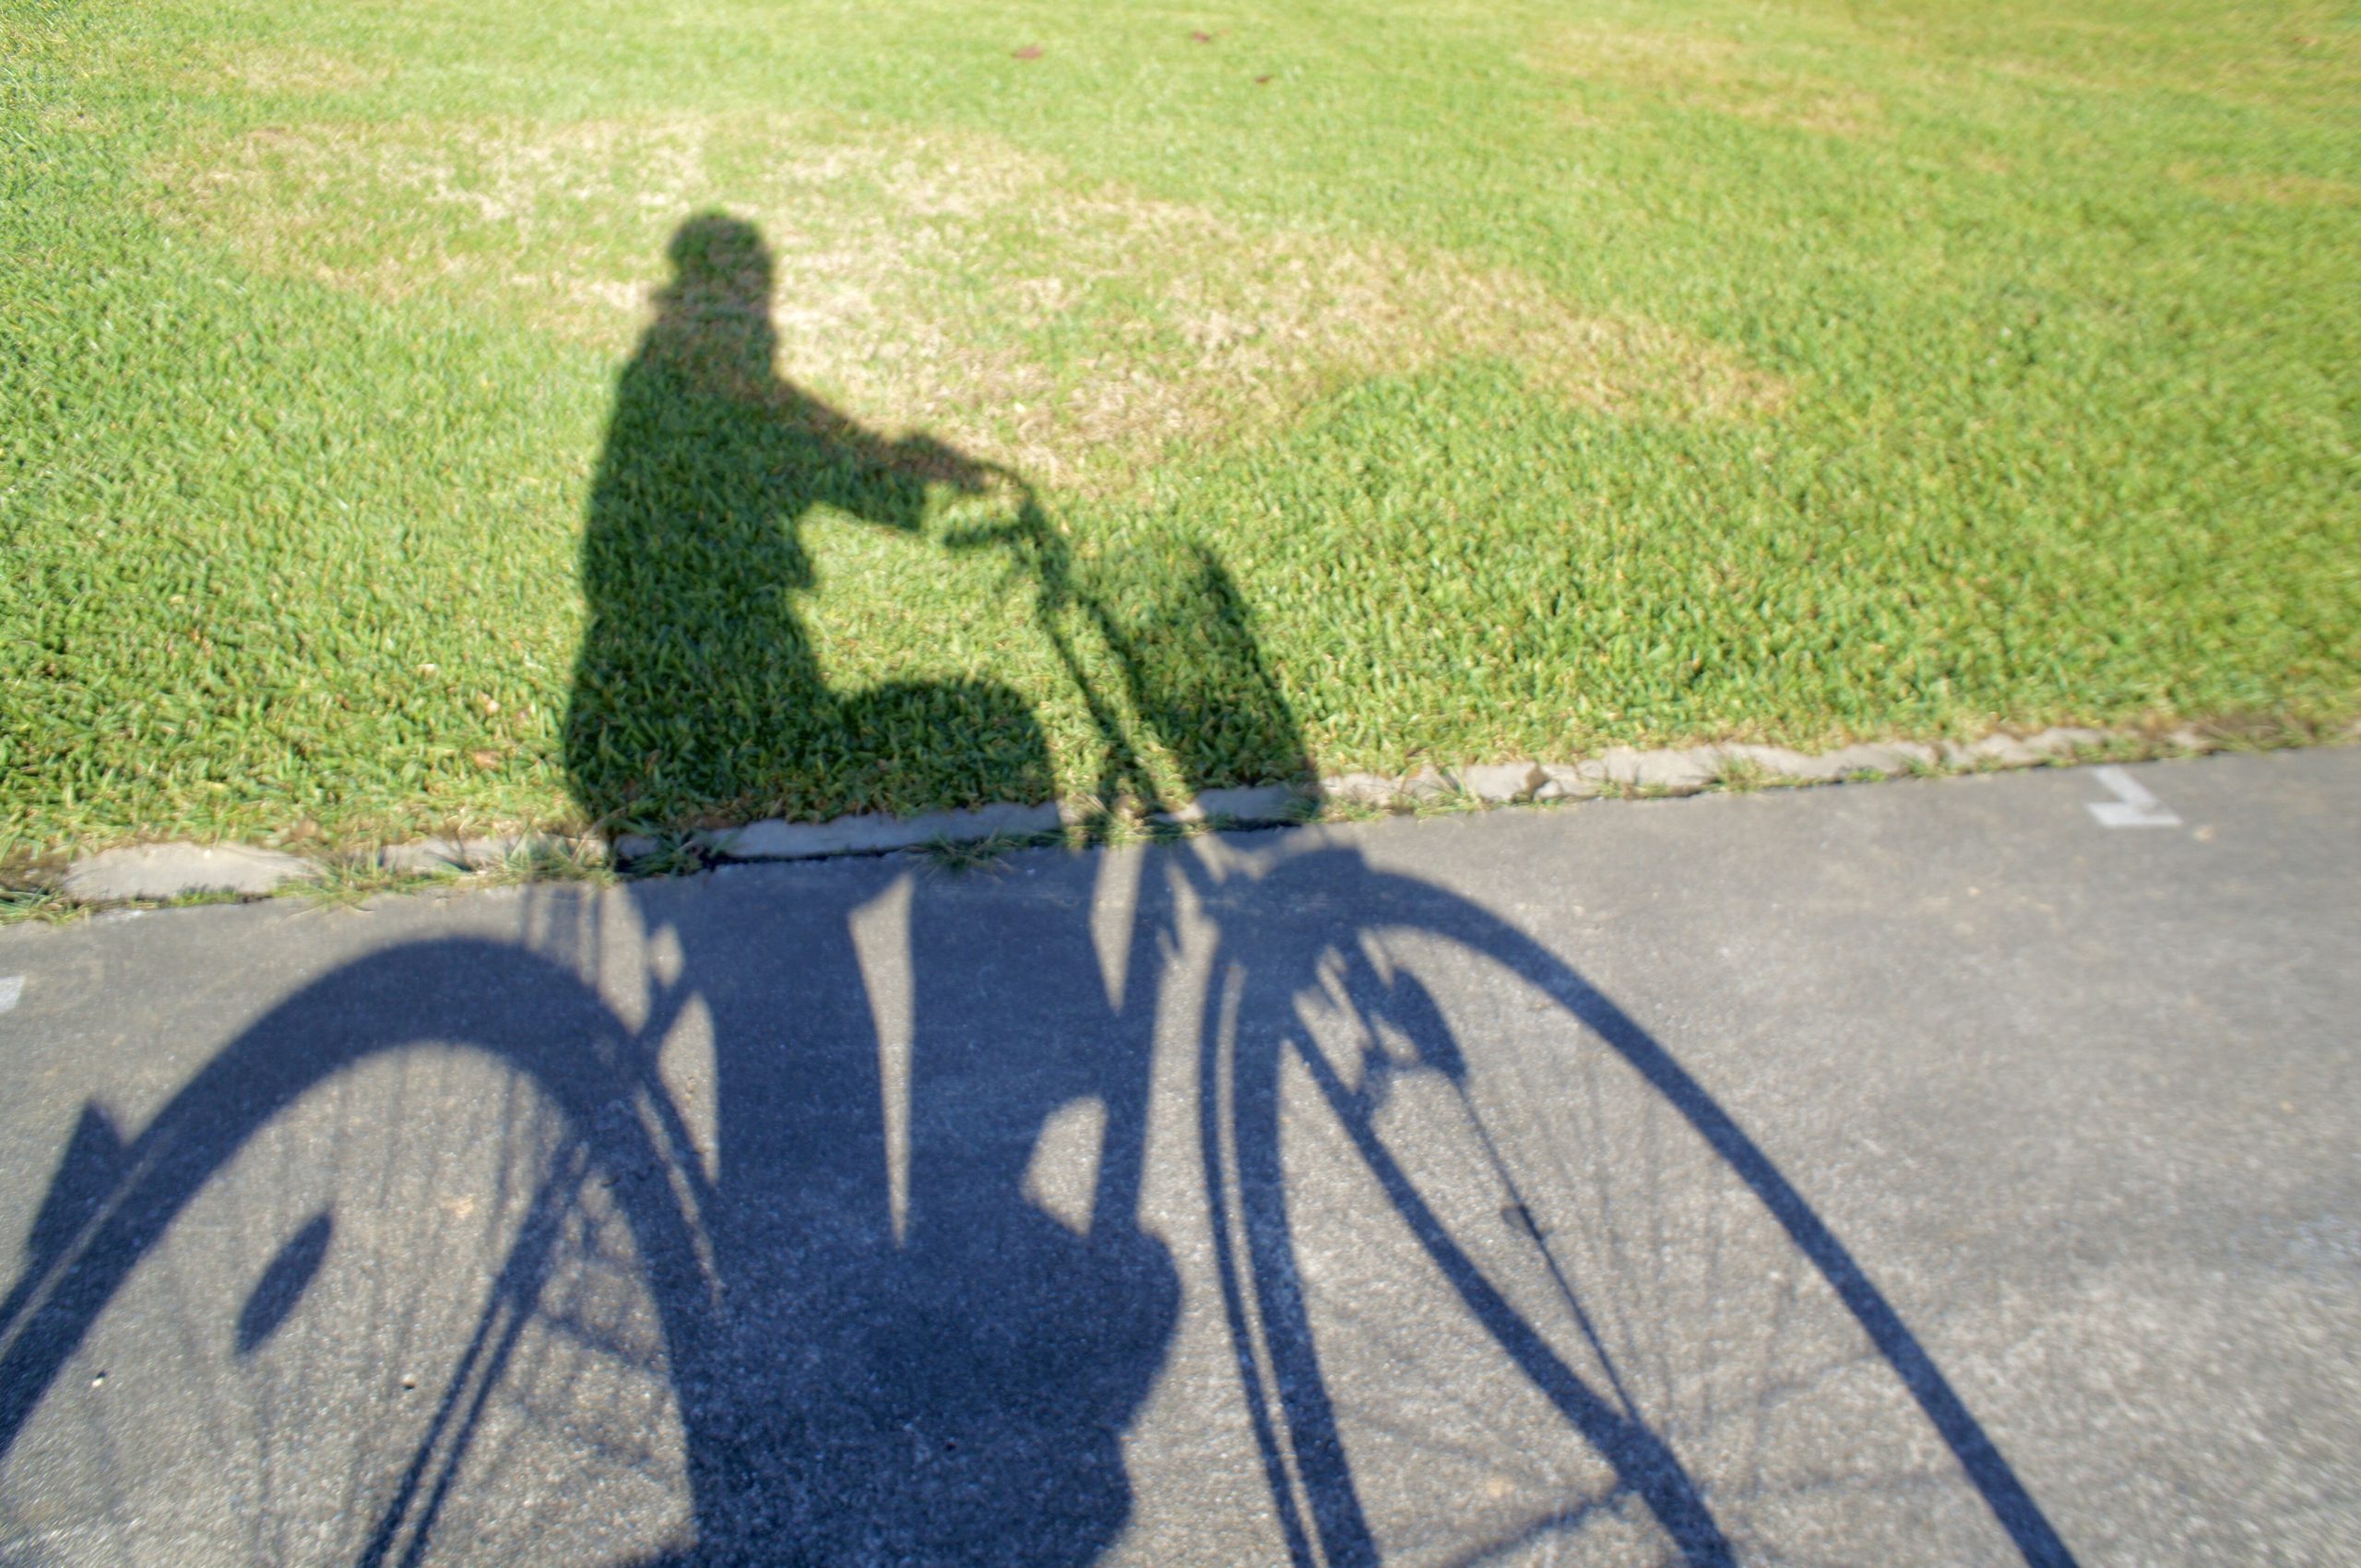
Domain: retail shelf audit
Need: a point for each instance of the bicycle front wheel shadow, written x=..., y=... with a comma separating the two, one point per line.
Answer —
x=1506, y=1284
x=396, y=1258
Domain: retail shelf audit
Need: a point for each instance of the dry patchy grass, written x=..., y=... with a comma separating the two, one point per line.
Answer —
x=943, y=281
x=2273, y=190
x=291, y=70
x=1710, y=71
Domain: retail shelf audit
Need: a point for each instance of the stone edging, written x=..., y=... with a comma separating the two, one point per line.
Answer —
x=163, y=872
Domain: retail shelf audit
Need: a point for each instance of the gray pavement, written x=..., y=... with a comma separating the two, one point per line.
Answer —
x=1924, y=1173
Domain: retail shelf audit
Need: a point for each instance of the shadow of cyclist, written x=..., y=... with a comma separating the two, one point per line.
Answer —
x=883, y=1343
x=915, y=1359
x=698, y=697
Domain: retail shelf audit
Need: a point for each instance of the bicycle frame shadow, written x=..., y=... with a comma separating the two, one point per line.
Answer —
x=880, y=1339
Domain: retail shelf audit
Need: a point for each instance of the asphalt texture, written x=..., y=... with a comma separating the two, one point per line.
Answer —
x=1920, y=1173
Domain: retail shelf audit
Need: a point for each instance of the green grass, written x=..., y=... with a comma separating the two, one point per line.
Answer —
x=25, y=906
x=1397, y=383
x=957, y=858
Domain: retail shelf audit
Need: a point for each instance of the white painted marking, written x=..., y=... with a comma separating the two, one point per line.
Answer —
x=11, y=988
x=2132, y=806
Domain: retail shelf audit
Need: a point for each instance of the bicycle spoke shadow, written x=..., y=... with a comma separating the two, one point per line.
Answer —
x=868, y=1228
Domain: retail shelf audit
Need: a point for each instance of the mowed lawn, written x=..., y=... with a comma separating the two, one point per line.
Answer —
x=1395, y=383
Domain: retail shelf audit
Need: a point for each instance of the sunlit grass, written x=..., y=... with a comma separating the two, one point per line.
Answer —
x=1541, y=378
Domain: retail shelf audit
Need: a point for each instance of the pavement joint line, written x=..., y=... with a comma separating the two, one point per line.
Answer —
x=148, y=874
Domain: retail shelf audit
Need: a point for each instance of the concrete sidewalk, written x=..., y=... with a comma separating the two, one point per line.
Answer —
x=1924, y=1173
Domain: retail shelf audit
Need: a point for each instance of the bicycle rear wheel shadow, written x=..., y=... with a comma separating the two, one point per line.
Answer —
x=517, y=1305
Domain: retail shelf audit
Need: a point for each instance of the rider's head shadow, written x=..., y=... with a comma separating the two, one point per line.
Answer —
x=713, y=325
x=715, y=336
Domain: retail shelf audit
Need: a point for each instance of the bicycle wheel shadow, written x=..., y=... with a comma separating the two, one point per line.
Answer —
x=824, y=1233
x=1626, y=1253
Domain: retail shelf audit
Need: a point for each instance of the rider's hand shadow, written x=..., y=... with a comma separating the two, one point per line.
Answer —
x=699, y=699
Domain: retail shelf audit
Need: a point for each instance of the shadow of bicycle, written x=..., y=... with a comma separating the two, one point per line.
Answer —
x=1225, y=1201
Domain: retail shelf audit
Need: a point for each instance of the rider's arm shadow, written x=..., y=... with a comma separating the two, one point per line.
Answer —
x=822, y=458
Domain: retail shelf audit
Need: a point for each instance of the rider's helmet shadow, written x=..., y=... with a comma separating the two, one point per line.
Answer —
x=697, y=698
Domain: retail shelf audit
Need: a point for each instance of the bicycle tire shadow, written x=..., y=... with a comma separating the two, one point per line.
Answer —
x=956, y=1391
x=878, y=1340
